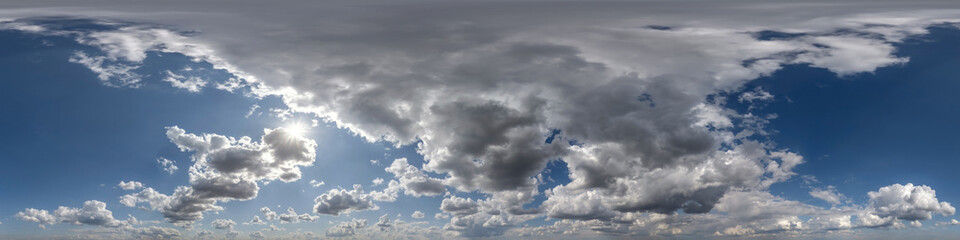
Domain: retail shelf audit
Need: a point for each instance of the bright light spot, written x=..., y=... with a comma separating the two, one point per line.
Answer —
x=296, y=129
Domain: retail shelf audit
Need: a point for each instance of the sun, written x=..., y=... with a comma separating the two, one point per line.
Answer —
x=296, y=129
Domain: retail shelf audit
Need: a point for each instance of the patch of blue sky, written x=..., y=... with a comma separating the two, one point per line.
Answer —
x=861, y=132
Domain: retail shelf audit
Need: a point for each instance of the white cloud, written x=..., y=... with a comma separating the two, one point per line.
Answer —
x=829, y=194
x=253, y=109
x=291, y=216
x=417, y=215
x=256, y=220
x=110, y=74
x=223, y=224
x=948, y=223
x=226, y=169
x=459, y=206
x=155, y=232
x=346, y=228
x=908, y=202
x=413, y=181
x=92, y=213
x=131, y=185
x=168, y=165
x=339, y=201
x=270, y=215
x=190, y=83
x=316, y=183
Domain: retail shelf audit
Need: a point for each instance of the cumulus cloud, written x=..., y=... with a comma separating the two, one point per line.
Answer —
x=417, y=215
x=256, y=220
x=131, y=185
x=223, y=224
x=268, y=214
x=155, y=232
x=291, y=216
x=346, y=228
x=338, y=201
x=413, y=181
x=948, y=223
x=92, y=213
x=908, y=202
x=226, y=169
x=459, y=206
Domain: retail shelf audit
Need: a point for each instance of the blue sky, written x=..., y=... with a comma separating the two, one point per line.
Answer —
x=584, y=127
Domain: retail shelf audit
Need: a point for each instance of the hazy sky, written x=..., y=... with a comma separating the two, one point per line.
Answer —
x=479, y=119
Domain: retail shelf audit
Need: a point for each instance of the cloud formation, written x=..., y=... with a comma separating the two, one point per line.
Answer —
x=908, y=202
x=226, y=169
x=339, y=201
x=92, y=213
x=647, y=142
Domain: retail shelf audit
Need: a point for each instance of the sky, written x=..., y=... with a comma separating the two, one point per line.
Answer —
x=479, y=119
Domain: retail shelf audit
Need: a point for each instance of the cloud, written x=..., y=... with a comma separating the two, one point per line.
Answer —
x=155, y=232
x=223, y=224
x=413, y=181
x=338, y=201
x=384, y=222
x=256, y=220
x=908, y=202
x=292, y=217
x=268, y=214
x=346, y=228
x=92, y=213
x=131, y=185
x=110, y=74
x=459, y=206
x=417, y=215
x=316, y=183
x=478, y=89
x=948, y=223
x=168, y=165
x=830, y=195
x=37, y=215
x=227, y=169
x=190, y=83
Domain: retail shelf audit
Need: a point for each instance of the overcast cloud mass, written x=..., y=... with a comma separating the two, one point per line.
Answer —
x=528, y=119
